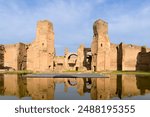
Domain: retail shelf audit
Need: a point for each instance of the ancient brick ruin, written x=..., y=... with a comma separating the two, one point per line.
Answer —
x=40, y=53
x=101, y=56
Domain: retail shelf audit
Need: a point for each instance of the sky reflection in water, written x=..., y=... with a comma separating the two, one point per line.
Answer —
x=135, y=87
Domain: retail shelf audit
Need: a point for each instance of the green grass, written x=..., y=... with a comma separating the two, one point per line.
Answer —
x=129, y=72
x=16, y=72
x=74, y=71
x=71, y=71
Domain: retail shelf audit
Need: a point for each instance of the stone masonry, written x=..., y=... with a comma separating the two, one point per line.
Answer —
x=40, y=53
x=15, y=56
x=100, y=47
x=101, y=56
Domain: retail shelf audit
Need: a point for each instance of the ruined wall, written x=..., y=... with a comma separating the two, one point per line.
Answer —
x=80, y=58
x=59, y=63
x=106, y=56
x=113, y=57
x=22, y=56
x=11, y=56
x=41, y=51
x=70, y=60
x=66, y=53
x=129, y=56
x=87, y=58
x=74, y=61
x=143, y=60
x=15, y=56
x=102, y=56
x=100, y=46
x=147, y=49
x=94, y=48
x=1, y=56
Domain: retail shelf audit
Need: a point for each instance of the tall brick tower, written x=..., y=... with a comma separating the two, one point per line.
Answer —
x=40, y=53
x=100, y=46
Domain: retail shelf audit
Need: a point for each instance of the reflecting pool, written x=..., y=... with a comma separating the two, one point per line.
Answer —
x=116, y=87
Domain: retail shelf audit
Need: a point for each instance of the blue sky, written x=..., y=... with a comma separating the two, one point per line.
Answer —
x=129, y=21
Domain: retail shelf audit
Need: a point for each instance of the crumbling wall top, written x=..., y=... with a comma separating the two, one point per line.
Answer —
x=100, y=27
x=45, y=23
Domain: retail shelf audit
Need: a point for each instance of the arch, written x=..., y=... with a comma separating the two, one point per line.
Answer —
x=71, y=55
x=72, y=59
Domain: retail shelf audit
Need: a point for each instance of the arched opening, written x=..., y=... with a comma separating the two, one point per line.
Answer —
x=72, y=59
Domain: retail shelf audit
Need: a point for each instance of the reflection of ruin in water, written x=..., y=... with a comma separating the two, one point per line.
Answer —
x=100, y=88
x=119, y=86
x=13, y=85
x=143, y=84
x=41, y=88
x=1, y=84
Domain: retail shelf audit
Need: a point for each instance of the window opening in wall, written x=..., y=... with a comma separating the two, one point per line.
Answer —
x=94, y=68
x=77, y=68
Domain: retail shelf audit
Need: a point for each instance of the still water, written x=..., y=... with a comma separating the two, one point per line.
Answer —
x=117, y=87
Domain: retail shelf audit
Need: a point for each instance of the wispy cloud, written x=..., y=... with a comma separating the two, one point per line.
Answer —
x=73, y=20
x=131, y=26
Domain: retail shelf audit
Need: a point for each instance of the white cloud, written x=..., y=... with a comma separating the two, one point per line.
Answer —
x=73, y=21
x=131, y=26
x=70, y=19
